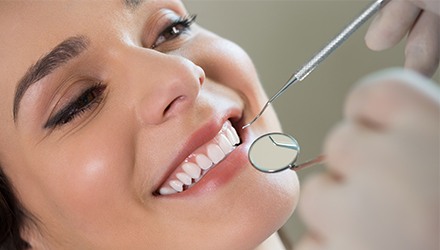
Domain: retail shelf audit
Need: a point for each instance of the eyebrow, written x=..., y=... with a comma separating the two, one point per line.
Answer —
x=60, y=55
x=132, y=3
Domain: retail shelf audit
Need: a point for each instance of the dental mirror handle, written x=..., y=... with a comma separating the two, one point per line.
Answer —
x=307, y=68
x=319, y=159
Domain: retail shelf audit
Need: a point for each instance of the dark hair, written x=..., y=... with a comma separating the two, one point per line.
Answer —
x=11, y=218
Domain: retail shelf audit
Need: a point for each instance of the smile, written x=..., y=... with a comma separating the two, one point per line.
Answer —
x=203, y=159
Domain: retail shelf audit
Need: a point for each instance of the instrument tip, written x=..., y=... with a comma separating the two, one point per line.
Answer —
x=256, y=117
x=250, y=123
x=247, y=125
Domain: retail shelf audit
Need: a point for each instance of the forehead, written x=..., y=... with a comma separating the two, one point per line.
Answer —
x=30, y=29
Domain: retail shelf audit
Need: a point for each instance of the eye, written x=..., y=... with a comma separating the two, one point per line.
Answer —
x=174, y=30
x=80, y=105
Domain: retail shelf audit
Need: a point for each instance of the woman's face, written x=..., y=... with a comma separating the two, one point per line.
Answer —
x=108, y=109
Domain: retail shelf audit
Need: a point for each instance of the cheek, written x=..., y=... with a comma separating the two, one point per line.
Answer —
x=90, y=180
x=97, y=175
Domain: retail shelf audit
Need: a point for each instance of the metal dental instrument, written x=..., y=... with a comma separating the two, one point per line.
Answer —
x=305, y=70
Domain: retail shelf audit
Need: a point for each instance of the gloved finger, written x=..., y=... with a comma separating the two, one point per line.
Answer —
x=343, y=149
x=423, y=44
x=391, y=24
x=393, y=98
x=432, y=6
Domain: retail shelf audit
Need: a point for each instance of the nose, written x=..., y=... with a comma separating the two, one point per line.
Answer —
x=163, y=85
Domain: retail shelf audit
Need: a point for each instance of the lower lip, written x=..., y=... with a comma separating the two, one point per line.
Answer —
x=223, y=173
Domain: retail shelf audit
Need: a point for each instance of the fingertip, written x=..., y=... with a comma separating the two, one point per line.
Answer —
x=384, y=31
x=380, y=101
x=407, y=77
x=374, y=39
x=370, y=103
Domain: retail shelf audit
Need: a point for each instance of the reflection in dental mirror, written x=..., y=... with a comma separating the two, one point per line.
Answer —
x=274, y=152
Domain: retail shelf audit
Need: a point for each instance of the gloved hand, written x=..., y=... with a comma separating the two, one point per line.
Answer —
x=417, y=18
x=381, y=187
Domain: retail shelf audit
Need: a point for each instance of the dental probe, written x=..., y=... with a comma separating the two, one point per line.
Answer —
x=307, y=68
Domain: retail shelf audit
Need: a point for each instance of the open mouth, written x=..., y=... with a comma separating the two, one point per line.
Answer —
x=203, y=159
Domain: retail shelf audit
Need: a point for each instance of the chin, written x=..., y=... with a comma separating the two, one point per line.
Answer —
x=253, y=210
x=283, y=196
x=268, y=208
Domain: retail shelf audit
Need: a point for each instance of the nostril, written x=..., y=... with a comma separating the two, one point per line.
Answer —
x=201, y=74
x=172, y=104
x=201, y=80
x=167, y=108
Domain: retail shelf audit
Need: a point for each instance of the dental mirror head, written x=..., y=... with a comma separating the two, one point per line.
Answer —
x=274, y=152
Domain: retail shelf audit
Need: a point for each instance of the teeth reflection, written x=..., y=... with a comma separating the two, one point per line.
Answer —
x=198, y=163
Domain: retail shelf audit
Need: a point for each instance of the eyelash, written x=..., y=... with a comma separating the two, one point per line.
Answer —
x=88, y=98
x=181, y=25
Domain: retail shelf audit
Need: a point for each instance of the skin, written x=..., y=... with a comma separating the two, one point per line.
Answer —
x=89, y=183
x=381, y=187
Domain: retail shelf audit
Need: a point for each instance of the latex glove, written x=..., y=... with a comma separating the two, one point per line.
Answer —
x=417, y=18
x=381, y=187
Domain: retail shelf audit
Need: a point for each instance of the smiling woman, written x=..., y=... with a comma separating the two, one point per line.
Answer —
x=120, y=129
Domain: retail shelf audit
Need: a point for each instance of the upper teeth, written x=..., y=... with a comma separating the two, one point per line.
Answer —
x=197, y=164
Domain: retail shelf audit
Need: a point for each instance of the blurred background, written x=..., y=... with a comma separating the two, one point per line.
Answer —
x=280, y=36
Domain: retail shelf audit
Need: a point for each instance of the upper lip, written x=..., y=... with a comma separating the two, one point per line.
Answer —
x=200, y=136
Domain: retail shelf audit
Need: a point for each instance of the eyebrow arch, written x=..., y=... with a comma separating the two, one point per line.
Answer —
x=132, y=4
x=60, y=55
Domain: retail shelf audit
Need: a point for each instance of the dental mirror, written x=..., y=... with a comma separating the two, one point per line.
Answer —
x=275, y=152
